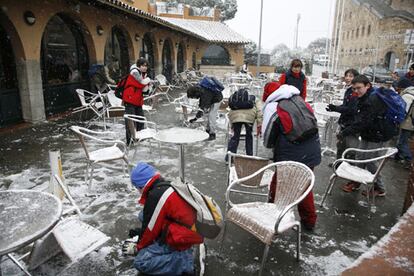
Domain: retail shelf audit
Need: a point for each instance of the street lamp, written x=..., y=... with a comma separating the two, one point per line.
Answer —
x=260, y=39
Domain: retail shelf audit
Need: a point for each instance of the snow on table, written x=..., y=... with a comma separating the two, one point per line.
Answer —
x=25, y=216
x=181, y=135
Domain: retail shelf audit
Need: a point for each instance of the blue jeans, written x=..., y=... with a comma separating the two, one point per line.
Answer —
x=234, y=140
x=160, y=259
x=403, y=148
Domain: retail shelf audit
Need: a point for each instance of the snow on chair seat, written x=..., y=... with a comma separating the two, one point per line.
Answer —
x=106, y=154
x=259, y=219
x=354, y=173
x=145, y=133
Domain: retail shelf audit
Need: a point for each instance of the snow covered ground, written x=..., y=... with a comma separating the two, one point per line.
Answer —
x=342, y=234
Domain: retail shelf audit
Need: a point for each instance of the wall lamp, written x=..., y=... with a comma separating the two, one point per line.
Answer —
x=137, y=37
x=99, y=30
x=29, y=18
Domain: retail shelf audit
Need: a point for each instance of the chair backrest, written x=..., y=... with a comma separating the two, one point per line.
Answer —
x=81, y=134
x=132, y=119
x=81, y=96
x=183, y=76
x=246, y=165
x=113, y=100
x=161, y=79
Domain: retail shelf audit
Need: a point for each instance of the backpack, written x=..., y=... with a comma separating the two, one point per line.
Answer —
x=211, y=83
x=209, y=216
x=120, y=86
x=241, y=100
x=395, y=105
x=297, y=122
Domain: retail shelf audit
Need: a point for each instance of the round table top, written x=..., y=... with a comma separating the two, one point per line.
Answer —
x=181, y=135
x=320, y=108
x=25, y=216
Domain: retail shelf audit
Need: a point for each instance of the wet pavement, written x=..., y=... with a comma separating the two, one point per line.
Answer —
x=345, y=229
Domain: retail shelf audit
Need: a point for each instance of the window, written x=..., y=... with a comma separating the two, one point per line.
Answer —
x=116, y=54
x=180, y=58
x=369, y=30
x=357, y=33
x=147, y=52
x=352, y=34
x=63, y=52
x=216, y=55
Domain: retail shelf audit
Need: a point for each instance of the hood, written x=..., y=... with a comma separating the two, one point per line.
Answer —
x=408, y=90
x=133, y=66
x=284, y=92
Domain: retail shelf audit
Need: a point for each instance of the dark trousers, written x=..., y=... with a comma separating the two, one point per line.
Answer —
x=234, y=140
x=134, y=110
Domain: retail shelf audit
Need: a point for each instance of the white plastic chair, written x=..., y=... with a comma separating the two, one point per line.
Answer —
x=266, y=221
x=147, y=133
x=163, y=87
x=89, y=101
x=109, y=149
x=348, y=169
x=115, y=108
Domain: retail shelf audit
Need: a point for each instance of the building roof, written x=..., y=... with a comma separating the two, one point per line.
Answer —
x=382, y=9
x=210, y=31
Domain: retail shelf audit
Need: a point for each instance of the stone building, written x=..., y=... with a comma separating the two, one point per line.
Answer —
x=47, y=47
x=372, y=33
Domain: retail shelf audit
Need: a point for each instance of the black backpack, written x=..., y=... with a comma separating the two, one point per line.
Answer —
x=120, y=86
x=241, y=100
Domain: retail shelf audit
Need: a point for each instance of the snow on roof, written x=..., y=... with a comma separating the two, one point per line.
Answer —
x=212, y=31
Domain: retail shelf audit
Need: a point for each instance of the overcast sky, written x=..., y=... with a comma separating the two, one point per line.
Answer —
x=279, y=20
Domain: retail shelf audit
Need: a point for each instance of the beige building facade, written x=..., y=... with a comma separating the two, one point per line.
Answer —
x=371, y=32
x=48, y=46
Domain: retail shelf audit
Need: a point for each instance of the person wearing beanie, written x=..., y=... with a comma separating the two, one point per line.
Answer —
x=410, y=74
x=269, y=88
x=165, y=242
x=406, y=90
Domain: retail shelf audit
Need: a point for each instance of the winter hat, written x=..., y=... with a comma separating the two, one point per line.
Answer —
x=141, y=174
x=404, y=83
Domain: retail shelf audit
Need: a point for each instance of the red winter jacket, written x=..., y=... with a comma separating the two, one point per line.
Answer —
x=162, y=207
x=282, y=80
x=133, y=92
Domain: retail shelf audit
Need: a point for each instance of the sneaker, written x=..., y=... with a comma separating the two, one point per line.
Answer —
x=350, y=187
x=212, y=137
x=374, y=192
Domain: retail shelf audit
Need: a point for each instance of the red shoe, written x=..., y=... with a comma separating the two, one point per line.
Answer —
x=351, y=187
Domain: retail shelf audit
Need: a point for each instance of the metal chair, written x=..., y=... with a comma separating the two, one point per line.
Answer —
x=89, y=101
x=348, y=169
x=147, y=133
x=115, y=107
x=266, y=221
x=109, y=149
x=164, y=88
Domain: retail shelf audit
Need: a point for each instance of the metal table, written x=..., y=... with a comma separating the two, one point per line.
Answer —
x=25, y=216
x=181, y=136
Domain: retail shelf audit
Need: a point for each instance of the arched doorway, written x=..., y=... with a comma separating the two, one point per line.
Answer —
x=167, y=66
x=390, y=61
x=215, y=55
x=117, y=54
x=180, y=58
x=147, y=52
x=10, y=108
x=194, y=61
x=64, y=63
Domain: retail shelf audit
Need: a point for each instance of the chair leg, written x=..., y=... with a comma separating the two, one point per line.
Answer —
x=265, y=252
x=298, y=230
x=87, y=173
x=329, y=188
x=90, y=178
x=223, y=238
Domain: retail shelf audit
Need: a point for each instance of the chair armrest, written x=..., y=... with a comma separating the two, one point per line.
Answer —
x=390, y=151
x=334, y=165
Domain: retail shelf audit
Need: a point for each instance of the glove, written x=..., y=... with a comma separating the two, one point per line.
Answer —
x=259, y=130
x=331, y=107
x=193, y=120
x=129, y=247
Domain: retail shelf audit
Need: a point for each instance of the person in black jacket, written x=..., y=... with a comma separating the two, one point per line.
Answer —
x=209, y=102
x=370, y=124
x=347, y=110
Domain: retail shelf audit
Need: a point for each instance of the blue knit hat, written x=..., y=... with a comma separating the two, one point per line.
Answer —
x=141, y=174
x=404, y=83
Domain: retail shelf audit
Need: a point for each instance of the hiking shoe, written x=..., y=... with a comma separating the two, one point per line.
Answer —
x=374, y=192
x=350, y=187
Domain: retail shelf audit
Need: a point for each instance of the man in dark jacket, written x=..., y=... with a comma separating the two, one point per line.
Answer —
x=347, y=110
x=370, y=124
x=164, y=245
x=209, y=102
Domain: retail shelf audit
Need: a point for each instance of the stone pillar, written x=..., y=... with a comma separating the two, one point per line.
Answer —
x=31, y=90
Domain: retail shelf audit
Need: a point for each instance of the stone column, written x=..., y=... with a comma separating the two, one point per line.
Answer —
x=31, y=90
